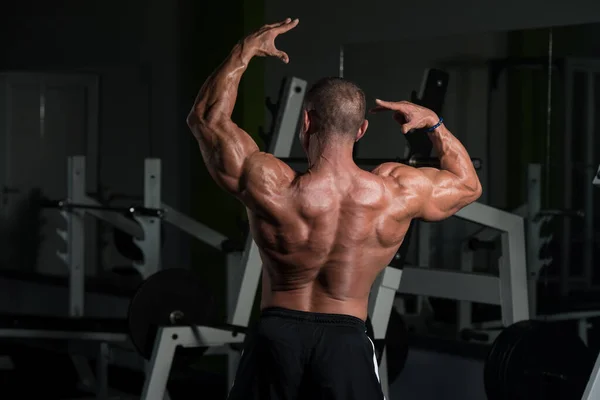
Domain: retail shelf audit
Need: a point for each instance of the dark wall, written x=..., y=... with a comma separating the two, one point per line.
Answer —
x=132, y=47
x=208, y=32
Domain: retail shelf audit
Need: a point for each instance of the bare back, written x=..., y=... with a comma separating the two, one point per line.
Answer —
x=324, y=237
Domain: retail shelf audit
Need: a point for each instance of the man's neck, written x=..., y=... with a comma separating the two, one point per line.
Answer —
x=336, y=156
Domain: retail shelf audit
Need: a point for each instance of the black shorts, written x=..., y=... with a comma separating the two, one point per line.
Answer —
x=301, y=355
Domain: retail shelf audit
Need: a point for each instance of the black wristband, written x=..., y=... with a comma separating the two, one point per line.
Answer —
x=433, y=128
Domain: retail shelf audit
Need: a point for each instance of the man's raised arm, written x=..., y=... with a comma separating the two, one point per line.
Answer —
x=226, y=148
x=440, y=192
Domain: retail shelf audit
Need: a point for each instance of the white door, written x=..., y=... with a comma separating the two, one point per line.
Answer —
x=43, y=119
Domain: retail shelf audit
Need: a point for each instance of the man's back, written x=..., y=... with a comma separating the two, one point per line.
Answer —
x=326, y=237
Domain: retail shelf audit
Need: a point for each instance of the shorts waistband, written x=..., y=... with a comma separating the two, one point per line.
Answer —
x=313, y=317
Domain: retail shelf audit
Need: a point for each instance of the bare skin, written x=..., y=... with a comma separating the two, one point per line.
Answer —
x=324, y=235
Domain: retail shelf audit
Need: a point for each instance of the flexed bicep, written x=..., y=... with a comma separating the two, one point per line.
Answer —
x=441, y=194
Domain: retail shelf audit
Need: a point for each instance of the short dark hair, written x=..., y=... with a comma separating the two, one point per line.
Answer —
x=337, y=105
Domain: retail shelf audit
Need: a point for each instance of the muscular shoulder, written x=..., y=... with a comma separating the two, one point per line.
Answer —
x=264, y=175
x=398, y=176
x=404, y=183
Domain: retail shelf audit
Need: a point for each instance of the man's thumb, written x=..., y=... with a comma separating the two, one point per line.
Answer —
x=283, y=56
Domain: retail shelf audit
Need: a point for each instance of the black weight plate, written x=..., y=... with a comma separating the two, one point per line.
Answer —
x=556, y=364
x=167, y=291
x=536, y=360
x=494, y=369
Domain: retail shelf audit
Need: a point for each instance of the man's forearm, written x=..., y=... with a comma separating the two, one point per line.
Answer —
x=454, y=157
x=217, y=97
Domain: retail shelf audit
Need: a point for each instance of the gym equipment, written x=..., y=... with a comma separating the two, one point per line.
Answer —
x=541, y=224
x=171, y=297
x=537, y=360
x=572, y=73
x=509, y=289
x=395, y=344
x=68, y=206
x=370, y=163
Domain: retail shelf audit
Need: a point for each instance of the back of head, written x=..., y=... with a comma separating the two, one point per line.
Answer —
x=336, y=107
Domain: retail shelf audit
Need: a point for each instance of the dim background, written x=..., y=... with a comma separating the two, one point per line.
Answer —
x=144, y=61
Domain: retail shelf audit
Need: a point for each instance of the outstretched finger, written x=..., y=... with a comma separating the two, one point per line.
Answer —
x=390, y=105
x=286, y=26
x=276, y=24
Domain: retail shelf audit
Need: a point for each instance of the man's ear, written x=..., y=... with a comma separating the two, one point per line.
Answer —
x=362, y=130
x=305, y=121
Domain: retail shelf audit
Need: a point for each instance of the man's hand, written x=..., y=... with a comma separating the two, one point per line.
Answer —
x=262, y=42
x=409, y=115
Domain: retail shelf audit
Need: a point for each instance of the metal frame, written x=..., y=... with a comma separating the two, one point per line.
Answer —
x=167, y=340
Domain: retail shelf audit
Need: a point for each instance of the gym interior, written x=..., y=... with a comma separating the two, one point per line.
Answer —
x=125, y=272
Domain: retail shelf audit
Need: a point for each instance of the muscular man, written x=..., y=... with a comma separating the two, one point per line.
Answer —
x=323, y=235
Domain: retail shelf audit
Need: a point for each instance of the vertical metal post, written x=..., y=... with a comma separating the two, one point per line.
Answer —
x=513, y=275
x=76, y=235
x=567, y=183
x=151, y=243
x=588, y=200
x=592, y=390
x=286, y=120
x=251, y=265
x=534, y=264
x=381, y=300
x=158, y=368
